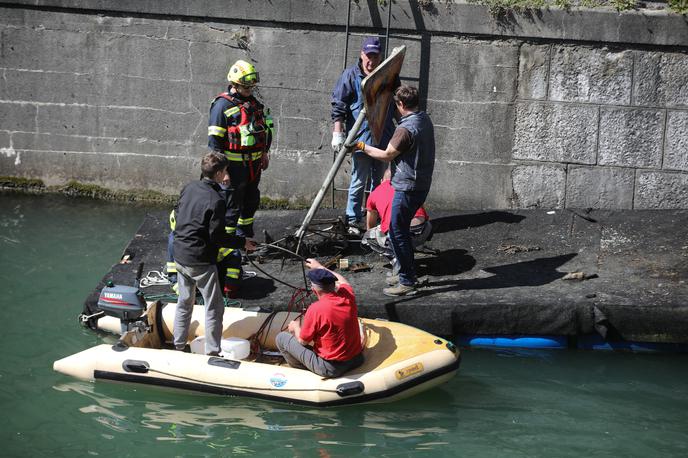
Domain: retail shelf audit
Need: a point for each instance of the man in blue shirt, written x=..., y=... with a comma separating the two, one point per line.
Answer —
x=347, y=103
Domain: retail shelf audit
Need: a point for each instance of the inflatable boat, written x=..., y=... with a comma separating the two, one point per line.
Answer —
x=400, y=360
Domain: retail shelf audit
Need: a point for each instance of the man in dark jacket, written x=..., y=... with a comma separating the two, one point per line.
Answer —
x=412, y=154
x=198, y=235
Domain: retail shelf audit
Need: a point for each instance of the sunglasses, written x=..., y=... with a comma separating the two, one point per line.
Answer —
x=249, y=80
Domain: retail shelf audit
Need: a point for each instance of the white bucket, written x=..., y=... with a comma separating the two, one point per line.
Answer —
x=235, y=348
x=198, y=345
x=232, y=347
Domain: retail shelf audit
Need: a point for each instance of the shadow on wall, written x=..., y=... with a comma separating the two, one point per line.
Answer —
x=459, y=222
x=424, y=70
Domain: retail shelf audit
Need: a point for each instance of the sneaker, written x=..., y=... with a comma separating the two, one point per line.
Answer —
x=353, y=230
x=400, y=290
x=392, y=280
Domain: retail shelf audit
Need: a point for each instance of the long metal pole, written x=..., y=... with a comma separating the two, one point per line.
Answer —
x=346, y=55
x=389, y=19
x=353, y=133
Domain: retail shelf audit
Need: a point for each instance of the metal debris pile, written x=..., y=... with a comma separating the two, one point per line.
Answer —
x=323, y=238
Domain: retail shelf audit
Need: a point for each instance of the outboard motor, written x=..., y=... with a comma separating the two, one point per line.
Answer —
x=123, y=302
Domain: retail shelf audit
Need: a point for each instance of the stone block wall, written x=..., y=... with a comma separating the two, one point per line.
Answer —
x=562, y=109
x=612, y=118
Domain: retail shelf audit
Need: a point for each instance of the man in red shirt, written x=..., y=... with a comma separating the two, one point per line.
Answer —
x=330, y=326
x=379, y=206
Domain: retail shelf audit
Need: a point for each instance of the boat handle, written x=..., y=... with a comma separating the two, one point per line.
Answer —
x=132, y=365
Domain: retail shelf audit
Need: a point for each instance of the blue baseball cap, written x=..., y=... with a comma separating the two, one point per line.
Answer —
x=371, y=45
x=321, y=277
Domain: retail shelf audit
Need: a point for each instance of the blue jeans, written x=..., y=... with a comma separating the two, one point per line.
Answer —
x=362, y=166
x=404, y=205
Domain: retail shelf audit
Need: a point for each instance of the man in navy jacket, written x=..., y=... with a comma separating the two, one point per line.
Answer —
x=198, y=235
x=347, y=103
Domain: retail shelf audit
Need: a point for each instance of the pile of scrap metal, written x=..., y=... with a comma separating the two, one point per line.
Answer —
x=322, y=238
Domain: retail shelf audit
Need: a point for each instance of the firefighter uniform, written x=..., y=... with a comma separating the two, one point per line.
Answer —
x=241, y=128
x=229, y=259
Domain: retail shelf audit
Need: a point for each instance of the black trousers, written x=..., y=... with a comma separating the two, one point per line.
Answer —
x=244, y=197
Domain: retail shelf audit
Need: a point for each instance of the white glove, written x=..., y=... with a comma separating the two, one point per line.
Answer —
x=338, y=140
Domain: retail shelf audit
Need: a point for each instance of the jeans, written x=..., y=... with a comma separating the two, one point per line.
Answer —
x=205, y=279
x=362, y=166
x=404, y=205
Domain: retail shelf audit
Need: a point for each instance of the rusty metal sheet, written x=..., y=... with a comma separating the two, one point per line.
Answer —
x=378, y=89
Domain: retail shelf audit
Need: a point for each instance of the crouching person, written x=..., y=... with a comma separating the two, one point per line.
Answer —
x=330, y=325
x=379, y=206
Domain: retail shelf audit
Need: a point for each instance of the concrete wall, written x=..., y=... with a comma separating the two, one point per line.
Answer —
x=558, y=109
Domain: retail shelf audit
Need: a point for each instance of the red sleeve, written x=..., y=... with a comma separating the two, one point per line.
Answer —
x=370, y=204
x=421, y=213
x=348, y=292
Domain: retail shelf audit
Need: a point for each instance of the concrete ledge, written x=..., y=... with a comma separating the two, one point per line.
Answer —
x=596, y=25
x=499, y=273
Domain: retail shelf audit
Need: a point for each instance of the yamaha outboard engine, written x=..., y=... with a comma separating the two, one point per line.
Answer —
x=123, y=302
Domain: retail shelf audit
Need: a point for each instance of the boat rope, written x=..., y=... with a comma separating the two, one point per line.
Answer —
x=259, y=338
x=286, y=250
x=84, y=318
x=239, y=387
x=154, y=278
x=272, y=276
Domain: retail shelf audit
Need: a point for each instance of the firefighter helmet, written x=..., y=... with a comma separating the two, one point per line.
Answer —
x=243, y=73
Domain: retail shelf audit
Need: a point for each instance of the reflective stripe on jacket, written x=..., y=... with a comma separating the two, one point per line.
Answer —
x=240, y=127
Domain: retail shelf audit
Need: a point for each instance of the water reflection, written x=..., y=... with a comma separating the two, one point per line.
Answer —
x=539, y=404
x=239, y=424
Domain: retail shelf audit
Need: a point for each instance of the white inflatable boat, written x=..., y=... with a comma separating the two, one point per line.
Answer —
x=399, y=361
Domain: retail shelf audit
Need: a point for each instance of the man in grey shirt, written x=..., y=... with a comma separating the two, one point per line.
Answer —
x=412, y=154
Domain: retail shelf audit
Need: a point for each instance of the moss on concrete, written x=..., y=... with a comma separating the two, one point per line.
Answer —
x=24, y=184
x=501, y=7
x=74, y=188
x=678, y=6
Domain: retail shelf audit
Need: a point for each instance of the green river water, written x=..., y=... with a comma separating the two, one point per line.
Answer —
x=53, y=251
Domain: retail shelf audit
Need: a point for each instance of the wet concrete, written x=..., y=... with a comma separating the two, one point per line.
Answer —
x=494, y=273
